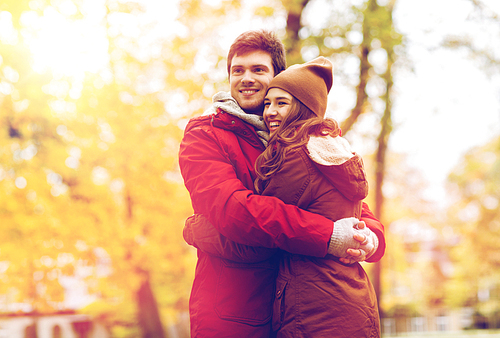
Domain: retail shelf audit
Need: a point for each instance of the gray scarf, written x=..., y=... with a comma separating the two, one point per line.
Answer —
x=224, y=101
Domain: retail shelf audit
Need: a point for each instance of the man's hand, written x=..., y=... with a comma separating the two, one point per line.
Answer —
x=368, y=244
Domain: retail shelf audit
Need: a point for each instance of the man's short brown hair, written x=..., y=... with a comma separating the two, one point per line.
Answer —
x=263, y=40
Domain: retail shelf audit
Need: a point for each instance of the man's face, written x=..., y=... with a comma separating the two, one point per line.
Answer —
x=249, y=77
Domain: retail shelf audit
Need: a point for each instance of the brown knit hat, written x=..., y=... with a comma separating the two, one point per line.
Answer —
x=309, y=83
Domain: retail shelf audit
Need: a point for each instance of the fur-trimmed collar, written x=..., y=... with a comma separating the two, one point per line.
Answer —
x=327, y=150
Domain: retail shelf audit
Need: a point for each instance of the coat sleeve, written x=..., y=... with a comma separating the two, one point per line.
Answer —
x=238, y=213
x=201, y=234
x=378, y=228
x=293, y=191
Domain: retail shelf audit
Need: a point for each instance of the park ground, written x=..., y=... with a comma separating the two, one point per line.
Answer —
x=456, y=334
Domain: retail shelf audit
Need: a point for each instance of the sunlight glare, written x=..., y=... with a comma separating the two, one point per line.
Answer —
x=64, y=46
x=8, y=34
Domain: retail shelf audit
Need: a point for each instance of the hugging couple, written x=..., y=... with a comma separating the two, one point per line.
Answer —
x=279, y=221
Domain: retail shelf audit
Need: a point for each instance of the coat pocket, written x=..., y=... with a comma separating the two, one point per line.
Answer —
x=279, y=304
x=244, y=292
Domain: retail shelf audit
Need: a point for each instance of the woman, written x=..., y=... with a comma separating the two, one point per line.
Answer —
x=308, y=164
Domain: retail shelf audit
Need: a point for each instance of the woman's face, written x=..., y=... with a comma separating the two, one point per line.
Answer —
x=277, y=105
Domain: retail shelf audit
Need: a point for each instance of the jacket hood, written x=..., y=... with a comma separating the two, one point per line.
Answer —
x=343, y=168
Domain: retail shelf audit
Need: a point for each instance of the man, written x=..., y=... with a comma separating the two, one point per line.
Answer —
x=233, y=298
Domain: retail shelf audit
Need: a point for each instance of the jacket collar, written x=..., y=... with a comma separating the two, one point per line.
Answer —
x=223, y=101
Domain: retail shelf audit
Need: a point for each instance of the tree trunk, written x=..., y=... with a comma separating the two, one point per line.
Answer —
x=293, y=26
x=149, y=317
x=364, y=69
x=380, y=157
x=148, y=314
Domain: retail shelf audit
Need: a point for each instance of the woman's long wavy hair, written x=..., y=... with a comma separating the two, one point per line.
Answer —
x=293, y=132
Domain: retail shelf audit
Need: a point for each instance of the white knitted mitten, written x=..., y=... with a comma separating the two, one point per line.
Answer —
x=343, y=237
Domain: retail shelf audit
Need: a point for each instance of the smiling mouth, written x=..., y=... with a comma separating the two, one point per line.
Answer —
x=248, y=91
x=274, y=124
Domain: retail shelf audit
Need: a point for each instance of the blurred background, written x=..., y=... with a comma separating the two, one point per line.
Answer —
x=94, y=97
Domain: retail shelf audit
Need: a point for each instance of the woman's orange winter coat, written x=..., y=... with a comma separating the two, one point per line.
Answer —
x=322, y=297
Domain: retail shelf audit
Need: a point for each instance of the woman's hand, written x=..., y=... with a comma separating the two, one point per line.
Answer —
x=368, y=244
